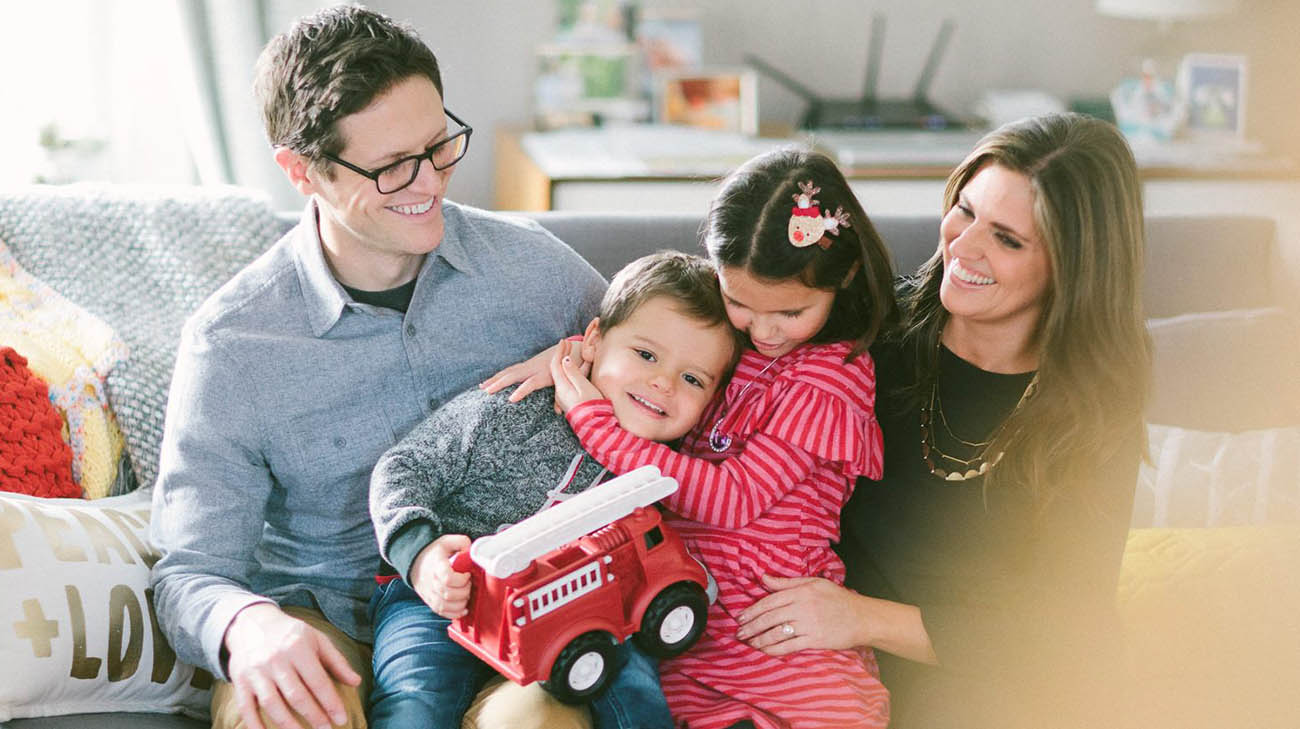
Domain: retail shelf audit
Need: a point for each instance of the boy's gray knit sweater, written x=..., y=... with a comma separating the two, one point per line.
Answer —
x=475, y=464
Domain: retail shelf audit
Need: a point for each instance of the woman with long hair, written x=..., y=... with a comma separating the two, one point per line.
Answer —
x=982, y=567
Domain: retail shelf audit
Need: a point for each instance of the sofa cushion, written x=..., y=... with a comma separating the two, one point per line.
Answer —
x=77, y=627
x=142, y=258
x=1225, y=370
x=610, y=240
x=72, y=351
x=34, y=459
x=99, y=720
x=1207, y=263
x=1211, y=626
x=1193, y=262
x=1200, y=479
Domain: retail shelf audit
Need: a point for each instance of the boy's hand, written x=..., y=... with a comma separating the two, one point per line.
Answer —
x=571, y=385
x=532, y=374
x=442, y=588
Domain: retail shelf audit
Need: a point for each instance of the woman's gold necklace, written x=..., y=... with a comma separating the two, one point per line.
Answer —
x=967, y=468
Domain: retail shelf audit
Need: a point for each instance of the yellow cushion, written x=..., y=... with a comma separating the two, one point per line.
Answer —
x=73, y=351
x=1212, y=626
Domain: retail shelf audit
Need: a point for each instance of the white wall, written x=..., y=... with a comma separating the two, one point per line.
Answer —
x=1062, y=46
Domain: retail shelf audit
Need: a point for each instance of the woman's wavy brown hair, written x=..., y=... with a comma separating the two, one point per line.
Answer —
x=1094, y=351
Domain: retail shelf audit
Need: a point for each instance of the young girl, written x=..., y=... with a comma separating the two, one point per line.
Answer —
x=763, y=476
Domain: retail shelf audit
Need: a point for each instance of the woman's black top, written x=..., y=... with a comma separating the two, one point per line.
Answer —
x=1019, y=610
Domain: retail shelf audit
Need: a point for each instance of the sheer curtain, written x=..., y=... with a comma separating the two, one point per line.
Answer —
x=147, y=91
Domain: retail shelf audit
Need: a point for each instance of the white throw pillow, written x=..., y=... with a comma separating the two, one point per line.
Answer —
x=1201, y=479
x=77, y=627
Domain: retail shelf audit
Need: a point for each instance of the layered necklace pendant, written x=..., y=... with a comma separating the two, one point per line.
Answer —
x=948, y=466
x=719, y=441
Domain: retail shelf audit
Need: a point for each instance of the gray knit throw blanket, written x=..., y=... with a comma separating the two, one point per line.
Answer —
x=142, y=259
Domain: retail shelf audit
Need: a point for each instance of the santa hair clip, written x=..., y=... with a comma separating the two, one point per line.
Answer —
x=808, y=225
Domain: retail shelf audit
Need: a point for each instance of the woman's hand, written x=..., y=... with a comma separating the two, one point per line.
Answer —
x=824, y=615
x=445, y=590
x=532, y=374
x=571, y=384
x=803, y=613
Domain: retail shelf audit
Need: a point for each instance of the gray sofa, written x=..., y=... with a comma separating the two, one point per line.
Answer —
x=1220, y=375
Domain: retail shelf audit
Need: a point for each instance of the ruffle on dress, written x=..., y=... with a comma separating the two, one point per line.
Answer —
x=823, y=406
x=826, y=426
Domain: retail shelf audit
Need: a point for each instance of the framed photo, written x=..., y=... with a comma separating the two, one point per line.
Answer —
x=607, y=16
x=671, y=41
x=719, y=99
x=586, y=85
x=1213, y=88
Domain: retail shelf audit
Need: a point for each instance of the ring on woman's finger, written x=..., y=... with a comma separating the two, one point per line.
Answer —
x=787, y=629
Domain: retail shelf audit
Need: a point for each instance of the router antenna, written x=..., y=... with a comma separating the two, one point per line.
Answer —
x=780, y=77
x=937, y=48
x=874, y=47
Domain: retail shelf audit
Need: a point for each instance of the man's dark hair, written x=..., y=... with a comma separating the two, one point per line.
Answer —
x=331, y=64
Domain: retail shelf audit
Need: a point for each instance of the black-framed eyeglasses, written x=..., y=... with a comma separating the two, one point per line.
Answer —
x=400, y=174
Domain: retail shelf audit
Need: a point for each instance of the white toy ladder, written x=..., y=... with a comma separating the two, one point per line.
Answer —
x=509, y=551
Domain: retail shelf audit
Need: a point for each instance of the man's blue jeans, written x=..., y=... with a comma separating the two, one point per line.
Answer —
x=425, y=680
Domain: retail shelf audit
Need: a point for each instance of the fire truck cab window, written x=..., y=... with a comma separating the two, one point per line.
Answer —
x=653, y=538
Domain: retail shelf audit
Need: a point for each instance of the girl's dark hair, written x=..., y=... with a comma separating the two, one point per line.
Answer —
x=748, y=228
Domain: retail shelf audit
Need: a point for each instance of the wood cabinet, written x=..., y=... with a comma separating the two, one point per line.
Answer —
x=673, y=170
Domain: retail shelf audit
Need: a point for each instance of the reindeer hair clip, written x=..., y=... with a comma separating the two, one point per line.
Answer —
x=808, y=225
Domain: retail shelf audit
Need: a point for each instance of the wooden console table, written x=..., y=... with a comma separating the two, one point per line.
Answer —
x=673, y=169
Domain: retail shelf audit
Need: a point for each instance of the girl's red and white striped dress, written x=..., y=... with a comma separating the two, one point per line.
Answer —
x=800, y=434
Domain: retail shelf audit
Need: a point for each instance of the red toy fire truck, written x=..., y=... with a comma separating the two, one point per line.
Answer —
x=553, y=595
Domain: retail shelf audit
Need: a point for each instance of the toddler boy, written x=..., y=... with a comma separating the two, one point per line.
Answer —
x=659, y=349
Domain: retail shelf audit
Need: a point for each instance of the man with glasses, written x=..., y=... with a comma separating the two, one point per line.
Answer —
x=383, y=302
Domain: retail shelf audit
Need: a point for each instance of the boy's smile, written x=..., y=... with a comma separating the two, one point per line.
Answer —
x=659, y=368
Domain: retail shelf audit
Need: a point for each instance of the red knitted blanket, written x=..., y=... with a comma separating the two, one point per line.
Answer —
x=34, y=458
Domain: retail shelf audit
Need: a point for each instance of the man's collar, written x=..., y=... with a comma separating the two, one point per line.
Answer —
x=322, y=292
x=452, y=248
x=324, y=295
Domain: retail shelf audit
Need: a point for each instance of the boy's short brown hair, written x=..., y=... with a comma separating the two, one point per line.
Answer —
x=689, y=281
x=331, y=64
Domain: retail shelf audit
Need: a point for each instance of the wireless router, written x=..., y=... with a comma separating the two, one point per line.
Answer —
x=869, y=112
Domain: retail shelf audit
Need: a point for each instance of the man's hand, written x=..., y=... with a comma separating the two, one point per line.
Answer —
x=279, y=665
x=571, y=384
x=442, y=588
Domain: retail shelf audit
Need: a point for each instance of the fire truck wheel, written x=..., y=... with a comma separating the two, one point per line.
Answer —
x=674, y=620
x=583, y=668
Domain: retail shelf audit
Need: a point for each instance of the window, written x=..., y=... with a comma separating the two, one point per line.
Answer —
x=653, y=538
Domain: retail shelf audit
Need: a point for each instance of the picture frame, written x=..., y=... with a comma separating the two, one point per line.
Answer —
x=671, y=40
x=721, y=99
x=586, y=85
x=1213, y=89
